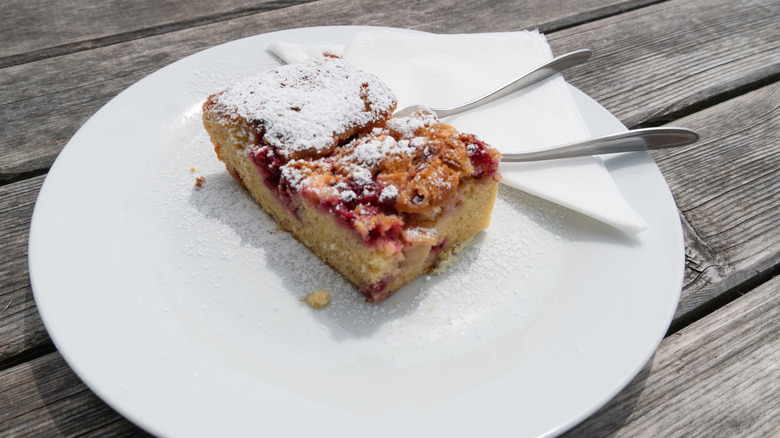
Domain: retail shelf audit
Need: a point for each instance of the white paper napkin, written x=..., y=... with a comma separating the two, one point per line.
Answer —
x=445, y=70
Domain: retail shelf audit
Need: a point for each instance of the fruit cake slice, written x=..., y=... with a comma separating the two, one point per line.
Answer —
x=380, y=199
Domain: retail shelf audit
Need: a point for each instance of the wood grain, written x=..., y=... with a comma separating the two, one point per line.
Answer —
x=43, y=397
x=43, y=103
x=727, y=187
x=36, y=29
x=717, y=377
x=21, y=328
x=653, y=64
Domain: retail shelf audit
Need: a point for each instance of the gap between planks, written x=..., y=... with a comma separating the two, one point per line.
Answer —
x=94, y=43
x=556, y=24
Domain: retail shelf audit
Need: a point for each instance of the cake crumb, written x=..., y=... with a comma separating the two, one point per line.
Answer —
x=199, y=181
x=317, y=299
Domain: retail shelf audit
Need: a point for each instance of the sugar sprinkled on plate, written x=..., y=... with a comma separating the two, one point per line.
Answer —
x=222, y=227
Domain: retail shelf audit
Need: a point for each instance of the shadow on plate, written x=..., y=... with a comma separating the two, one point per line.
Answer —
x=300, y=271
x=348, y=316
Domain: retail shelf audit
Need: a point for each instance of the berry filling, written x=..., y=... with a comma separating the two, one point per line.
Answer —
x=436, y=249
x=268, y=164
x=362, y=208
x=484, y=163
x=378, y=183
x=376, y=292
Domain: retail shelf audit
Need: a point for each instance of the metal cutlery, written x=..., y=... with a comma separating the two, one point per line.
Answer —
x=544, y=71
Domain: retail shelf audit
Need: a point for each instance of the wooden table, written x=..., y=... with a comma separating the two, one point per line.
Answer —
x=711, y=65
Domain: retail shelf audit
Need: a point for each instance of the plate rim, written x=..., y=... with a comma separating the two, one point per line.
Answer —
x=34, y=270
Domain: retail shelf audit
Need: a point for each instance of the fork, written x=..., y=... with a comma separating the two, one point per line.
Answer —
x=544, y=71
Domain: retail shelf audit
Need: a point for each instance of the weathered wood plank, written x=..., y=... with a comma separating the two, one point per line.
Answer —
x=688, y=53
x=727, y=187
x=119, y=428
x=717, y=377
x=43, y=103
x=43, y=397
x=21, y=328
x=36, y=29
x=39, y=28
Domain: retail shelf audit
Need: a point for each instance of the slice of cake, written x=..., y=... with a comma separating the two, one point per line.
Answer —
x=380, y=199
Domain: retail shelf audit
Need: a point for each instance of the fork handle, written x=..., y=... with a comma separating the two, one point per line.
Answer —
x=544, y=71
x=629, y=141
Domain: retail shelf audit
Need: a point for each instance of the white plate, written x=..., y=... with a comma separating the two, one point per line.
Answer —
x=180, y=306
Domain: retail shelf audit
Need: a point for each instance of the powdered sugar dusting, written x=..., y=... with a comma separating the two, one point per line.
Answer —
x=303, y=115
x=389, y=193
x=417, y=233
x=370, y=153
x=294, y=175
x=407, y=127
x=237, y=273
x=241, y=275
